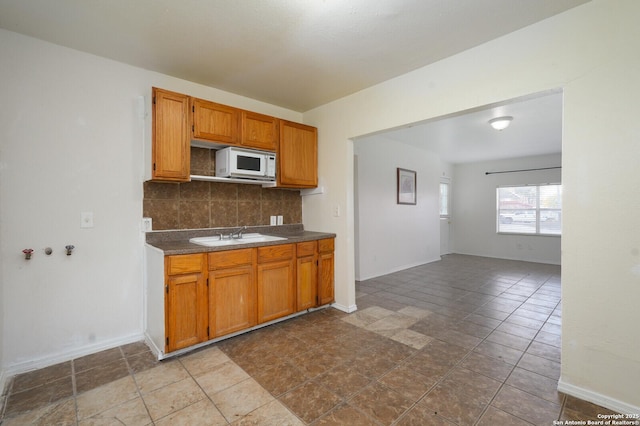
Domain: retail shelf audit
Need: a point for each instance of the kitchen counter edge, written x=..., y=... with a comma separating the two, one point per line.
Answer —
x=177, y=242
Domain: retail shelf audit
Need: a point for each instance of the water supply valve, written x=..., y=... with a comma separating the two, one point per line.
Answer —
x=27, y=253
x=69, y=249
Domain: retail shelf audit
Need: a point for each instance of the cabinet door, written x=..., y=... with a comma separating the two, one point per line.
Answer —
x=171, y=155
x=276, y=290
x=306, y=283
x=297, y=155
x=259, y=131
x=232, y=300
x=186, y=311
x=215, y=122
x=326, y=271
x=306, y=275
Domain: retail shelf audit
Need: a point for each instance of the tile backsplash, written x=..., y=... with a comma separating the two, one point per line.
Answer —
x=198, y=204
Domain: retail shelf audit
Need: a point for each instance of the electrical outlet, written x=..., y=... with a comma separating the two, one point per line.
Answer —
x=147, y=224
x=273, y=221
x=86, y=220
x=336, y=210
x=280, y=220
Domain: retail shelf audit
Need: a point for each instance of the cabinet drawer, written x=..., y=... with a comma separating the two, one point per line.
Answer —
x=229, y=258
x=272, y=253
x=326, y=245
x=184, y=263
x=307, y=248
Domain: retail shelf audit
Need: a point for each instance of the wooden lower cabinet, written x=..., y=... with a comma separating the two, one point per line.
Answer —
x=185, y=301
x=276, y=282
x=325, y=271
x=209, y=295
x=232, y=291
x=306, y=275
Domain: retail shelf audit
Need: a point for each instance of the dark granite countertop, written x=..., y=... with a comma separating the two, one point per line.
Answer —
x=177, y=241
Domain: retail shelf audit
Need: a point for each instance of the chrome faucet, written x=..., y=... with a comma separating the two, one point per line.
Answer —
x=237, y=233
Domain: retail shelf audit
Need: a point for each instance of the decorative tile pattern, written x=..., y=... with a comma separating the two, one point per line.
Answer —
x=199, y=204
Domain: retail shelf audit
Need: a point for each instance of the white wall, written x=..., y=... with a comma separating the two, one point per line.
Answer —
x=474, y=210
x=392, y=237
x=593, y=53
x=71, y=142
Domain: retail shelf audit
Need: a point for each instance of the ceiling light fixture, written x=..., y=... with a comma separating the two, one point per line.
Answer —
x=500, y=123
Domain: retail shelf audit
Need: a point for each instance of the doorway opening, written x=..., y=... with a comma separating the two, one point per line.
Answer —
x=458, y=147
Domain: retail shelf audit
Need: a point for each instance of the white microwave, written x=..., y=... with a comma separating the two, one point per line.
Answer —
x=244, y=163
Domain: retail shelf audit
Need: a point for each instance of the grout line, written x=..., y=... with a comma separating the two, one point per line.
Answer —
x=520, y=359
x=74, y=391
x=206, y=395
x=6, y=393
x=135, y=382
x=531, y=340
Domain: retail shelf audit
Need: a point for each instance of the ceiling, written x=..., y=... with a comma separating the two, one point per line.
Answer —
x=300, y=54
x=297, y=54
x=467, y=137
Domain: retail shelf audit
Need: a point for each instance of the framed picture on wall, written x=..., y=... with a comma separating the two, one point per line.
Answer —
x=406, y=186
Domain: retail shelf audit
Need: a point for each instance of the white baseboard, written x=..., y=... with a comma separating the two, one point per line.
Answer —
x=545, y=262
x=347, y=309
x=152, y=345
x=46, y=361
x=597, y=398
x=398, y=269
x=3, y=378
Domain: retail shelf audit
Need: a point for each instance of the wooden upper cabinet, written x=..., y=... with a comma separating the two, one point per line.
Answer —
x=178, y=119
x=259, y=131
x=215, y=122
x=170, y=136
x=297, y=155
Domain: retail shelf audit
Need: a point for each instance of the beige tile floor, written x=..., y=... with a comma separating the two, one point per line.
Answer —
x=463, y=341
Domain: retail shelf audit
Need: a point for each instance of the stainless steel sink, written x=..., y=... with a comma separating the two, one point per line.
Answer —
x=215, y=240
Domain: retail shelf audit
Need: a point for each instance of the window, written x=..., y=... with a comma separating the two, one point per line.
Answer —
x=531, y=209
x=444, y=199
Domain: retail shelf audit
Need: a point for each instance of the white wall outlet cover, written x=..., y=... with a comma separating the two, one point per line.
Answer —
x=280, y=220
x=273, y=221
x=147, y=224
